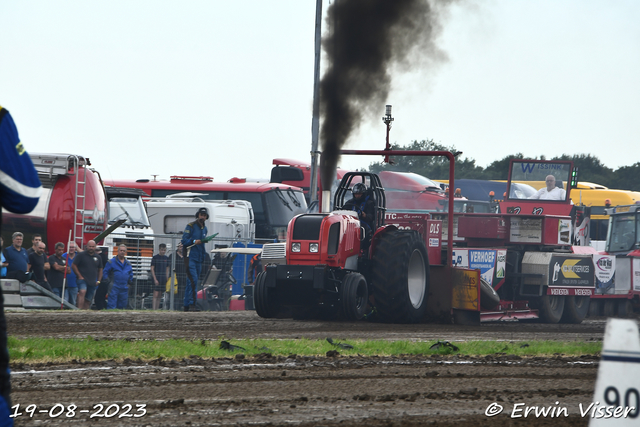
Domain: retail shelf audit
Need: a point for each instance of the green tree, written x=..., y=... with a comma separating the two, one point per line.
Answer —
x=499, y=169
x=590, y=169
x=627, y=178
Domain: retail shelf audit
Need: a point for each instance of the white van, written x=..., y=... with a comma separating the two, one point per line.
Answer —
x=232, y=219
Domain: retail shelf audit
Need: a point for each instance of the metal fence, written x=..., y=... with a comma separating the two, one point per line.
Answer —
x=228, y=276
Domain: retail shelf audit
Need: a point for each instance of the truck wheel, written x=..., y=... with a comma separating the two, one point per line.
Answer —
x=595, y=307
x=625, y=308
x=550, y=308
x=609, y=309
x=489, y=298
x=400, y=277
x=575, y=309
x=354, y=296
x=264, y=298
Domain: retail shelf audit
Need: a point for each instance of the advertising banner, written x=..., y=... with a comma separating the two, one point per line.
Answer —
x=571, y=271
x=525, y=230
x=605, y=269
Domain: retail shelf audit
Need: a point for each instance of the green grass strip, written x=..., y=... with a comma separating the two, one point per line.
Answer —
x=41, y=350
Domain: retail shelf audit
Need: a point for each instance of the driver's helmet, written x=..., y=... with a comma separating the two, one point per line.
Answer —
x=359, y=188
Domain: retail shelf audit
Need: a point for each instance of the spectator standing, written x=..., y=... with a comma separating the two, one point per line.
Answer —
x=39, y=265
x=119, y=270
x=35, y=240
x=192, y=238
x=18, y=261
x=56, y=272
x=19, y=193
x=160, y=274
x=88, y=269
x=71, y=288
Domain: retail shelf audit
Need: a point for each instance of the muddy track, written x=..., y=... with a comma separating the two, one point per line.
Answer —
x=295, y=390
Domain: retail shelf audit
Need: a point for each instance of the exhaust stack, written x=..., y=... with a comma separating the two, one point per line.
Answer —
x=326, y=201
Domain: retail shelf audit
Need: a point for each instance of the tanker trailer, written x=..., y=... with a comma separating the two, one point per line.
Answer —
x=73, y=199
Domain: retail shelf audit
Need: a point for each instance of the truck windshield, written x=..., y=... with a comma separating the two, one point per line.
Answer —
x=129, y=208
x=535, y=173
x=623, y=233
x=281, y=206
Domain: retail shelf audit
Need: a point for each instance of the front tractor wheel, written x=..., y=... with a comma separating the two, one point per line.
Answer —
x=400, y=277
x=264, y=298
x=354, y=296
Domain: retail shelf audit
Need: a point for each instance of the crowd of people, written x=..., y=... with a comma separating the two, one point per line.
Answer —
x=89, y=279
x=55, y=272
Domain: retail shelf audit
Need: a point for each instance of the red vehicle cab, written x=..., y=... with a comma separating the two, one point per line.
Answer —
x=538, y=170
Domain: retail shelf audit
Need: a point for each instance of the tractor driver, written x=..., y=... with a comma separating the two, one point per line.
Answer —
x=365, y=207
x=551, y=191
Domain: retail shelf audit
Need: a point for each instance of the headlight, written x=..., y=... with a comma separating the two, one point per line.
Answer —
x=313, y=247
x=295, y=247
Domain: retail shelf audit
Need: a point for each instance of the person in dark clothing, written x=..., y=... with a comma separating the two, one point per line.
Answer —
x=365, y=207
x=362, y=204
x=58, y=266
x=35, y=241
x=19, y=193
x=88, y=269
x=194, y=233
x=160, y=264
x=39, y=264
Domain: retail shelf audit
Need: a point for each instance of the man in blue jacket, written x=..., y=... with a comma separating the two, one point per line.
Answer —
x=120, y=272
x=194, y=254
x=19, y=193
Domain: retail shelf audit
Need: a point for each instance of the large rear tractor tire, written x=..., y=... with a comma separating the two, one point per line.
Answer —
x=354, y=296
x=400, y=277
x=264, y=298
x=550, y=308
x=575, y=309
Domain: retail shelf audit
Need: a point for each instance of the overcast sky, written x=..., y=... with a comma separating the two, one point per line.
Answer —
x=220, y=88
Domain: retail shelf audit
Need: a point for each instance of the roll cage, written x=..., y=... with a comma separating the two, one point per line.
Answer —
x=375, y=191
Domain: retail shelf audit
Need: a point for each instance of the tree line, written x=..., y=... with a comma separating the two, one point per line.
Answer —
x=590, y=168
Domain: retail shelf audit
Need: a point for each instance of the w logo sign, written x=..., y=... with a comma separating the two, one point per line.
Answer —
x=527, y=167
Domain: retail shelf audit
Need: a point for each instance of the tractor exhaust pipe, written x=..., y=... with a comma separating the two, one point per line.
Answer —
x=326, y=201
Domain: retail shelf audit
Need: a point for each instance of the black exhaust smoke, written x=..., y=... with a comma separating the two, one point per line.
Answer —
x=365, y=39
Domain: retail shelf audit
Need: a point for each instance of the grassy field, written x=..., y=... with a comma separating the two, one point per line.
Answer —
x=39, y=350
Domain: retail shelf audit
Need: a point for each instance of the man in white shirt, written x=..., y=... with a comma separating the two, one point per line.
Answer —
x=550, y=192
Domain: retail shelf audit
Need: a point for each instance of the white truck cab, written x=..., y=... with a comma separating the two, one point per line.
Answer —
x=233, y=220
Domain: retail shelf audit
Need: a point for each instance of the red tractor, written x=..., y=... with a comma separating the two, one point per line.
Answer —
x=334, y=267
